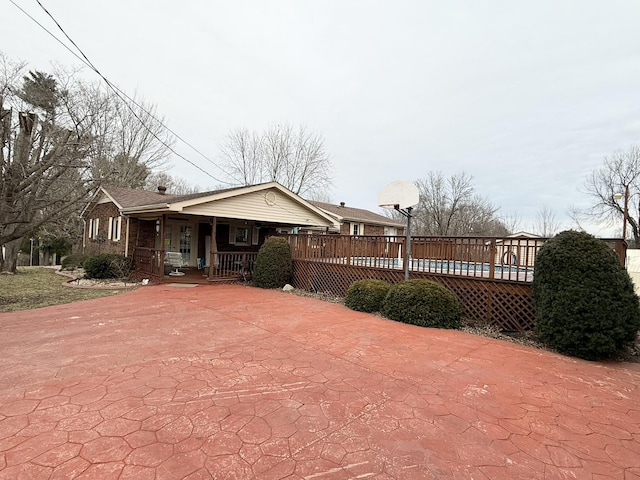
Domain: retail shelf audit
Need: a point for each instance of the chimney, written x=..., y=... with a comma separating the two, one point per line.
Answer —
x=342, y=204
x=162, y=189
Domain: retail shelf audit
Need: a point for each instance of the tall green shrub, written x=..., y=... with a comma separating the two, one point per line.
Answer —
x=424, y=303
x=274, y=265
x=584, y=298
x=366, y=295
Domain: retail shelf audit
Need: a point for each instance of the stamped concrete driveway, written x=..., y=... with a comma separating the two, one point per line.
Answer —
x=216, y=382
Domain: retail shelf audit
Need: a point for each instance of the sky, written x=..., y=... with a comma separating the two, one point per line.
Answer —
x=528, y=97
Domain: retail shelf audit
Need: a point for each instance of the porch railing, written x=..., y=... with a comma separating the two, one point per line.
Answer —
x=233, y=264
x=149, y=261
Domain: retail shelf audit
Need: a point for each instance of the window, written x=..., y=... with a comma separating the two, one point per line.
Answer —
x=115, y=224
x=185, y=242
x=94, y=223
x=239, y=235
x=357, y=229
x=242, y=235
x=390, y=233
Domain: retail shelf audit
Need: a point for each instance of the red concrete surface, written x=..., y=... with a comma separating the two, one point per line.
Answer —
x=231, y=382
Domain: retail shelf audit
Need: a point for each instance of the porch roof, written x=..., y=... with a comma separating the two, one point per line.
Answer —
x=267, y=202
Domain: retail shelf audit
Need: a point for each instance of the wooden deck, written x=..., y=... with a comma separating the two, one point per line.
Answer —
x=491, y=276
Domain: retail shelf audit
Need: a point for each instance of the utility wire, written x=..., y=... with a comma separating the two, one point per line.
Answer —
x=112, y=86
x=122, y=95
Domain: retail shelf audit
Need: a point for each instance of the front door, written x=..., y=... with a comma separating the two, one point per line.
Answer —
x=185, y=242
x=179, y=237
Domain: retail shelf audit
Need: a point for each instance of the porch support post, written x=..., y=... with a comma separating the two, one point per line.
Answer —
x=161, y=247
x=214, y=248
x=126, y=238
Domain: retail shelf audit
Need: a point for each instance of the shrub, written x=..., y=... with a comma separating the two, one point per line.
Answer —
x=584, y=298
x=107, y=265
x=274, y=266
x=73, y=261
x=424, y=303
x=366, y=295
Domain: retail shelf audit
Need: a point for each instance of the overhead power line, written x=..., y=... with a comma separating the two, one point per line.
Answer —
x=126, y=99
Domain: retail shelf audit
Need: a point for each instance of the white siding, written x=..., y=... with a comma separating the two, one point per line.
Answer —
x=257, y=206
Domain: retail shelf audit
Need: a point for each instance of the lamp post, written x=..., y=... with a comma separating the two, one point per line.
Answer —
x=625, y=211
x=31, y=240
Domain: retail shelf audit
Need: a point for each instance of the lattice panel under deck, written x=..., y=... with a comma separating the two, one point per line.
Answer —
x=507, y=305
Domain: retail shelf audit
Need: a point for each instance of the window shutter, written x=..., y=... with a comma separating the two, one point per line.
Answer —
x=232, y=234
x=118, y=228
x=255, y=237
x=110, y=228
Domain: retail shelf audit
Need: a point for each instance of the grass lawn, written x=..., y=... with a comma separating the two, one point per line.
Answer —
x=35, y=287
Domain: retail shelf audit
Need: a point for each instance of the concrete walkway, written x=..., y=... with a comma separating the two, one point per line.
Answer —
x=231, y=382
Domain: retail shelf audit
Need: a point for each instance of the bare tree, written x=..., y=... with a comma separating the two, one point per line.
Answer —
x=512, y=222
x=175, y=185
x=42, y=160
x=450, y=206
x=294, y=158
x=546, y=224
x=242, y=154
x=56, y=133
x=129, y=140
x=607, y=184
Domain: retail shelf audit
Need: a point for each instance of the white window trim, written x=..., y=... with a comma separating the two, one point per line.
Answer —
x=94, y=223
x=360, y=228
x=115, y=228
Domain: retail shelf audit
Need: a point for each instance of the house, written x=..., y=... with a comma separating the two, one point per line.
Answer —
x=357, y=221
x=218, y=230
x=519, y=249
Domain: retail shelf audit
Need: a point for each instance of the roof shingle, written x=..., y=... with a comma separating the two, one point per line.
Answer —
x=356, y=214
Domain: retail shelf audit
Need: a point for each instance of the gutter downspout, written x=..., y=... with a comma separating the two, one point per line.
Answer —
x=84, y=235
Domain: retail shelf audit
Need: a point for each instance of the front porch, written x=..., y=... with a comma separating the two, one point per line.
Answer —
x=222, y=267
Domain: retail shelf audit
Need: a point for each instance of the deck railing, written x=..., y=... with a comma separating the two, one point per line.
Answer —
x=495, y=258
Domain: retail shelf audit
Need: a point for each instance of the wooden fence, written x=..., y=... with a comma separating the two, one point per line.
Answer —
x=491, y=276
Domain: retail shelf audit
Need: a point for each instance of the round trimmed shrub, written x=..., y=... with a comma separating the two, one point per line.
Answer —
x=274, y=266
x=424, y=303
x=107, y=265
x=583, y=297
x=366, y=295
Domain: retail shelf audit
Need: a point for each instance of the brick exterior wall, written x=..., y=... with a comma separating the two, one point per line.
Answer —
x=345, y=229
x=141, y=232
x=373, y=230
x=102, y=244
